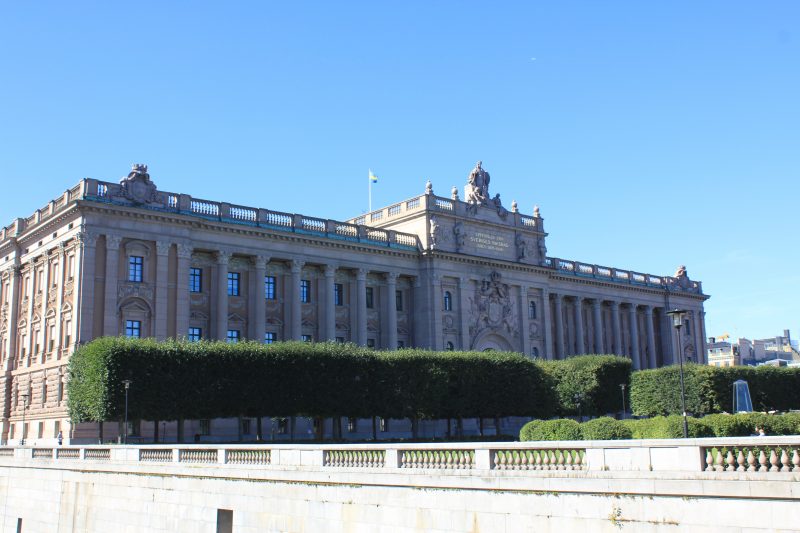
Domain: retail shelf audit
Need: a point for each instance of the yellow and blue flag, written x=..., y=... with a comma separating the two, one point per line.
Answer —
x=372, y=177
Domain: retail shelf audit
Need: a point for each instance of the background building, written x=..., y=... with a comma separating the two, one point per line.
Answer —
x=780, y=350
x=127, y=259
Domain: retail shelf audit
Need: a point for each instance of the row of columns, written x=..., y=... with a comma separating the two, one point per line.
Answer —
x=559, y=347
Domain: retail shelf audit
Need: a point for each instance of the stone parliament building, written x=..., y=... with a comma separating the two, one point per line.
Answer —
x=435, y=272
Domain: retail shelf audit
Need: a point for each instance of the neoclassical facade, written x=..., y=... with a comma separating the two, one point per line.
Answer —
x=436, y=272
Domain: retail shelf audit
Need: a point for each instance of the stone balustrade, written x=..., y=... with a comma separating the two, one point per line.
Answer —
x=604, y=273
x=753, y=455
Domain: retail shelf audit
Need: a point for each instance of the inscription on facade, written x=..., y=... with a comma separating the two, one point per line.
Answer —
x=489, y=241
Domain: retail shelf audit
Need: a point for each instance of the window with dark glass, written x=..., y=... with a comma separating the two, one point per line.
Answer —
x=535, y=352
x=283, y=426
x=233, y=335
x=401, y=344
x=531, y=309
x=688, y=330
x=195, y=280
x=135, y=265
x=448, y=301
x=352, y=424
x=205, y=426
x=340, y=340
x=450, y=346
x=398, y=300
x=338, y=294
x=246, y=430
x=133, y=328
x=269, y=337
x=195, y=334
x=370, y=298
x=305, y=291
x=306, y=338
x=233, y=284
x=384, y=424
x=269, y=287
x=371, y=343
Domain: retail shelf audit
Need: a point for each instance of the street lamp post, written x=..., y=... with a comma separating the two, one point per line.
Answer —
x=24, y=408
x=677, y=321
x=127, y=384
x=622, y=388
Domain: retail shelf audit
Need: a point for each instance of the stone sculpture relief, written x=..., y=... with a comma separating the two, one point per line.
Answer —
x=491, y=308
x=435, y=233
x=522, y=247
x=137, y=187
x=458, y=235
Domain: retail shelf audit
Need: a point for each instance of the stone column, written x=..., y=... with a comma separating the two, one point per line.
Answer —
x=463, y=310
x=30, y=291
x=11, y=327
x=182, y=296
x=634, y=326
x=703, y=355
x=162, y=276
x=330, y=303
x=223, y=258
x=547, y=332
x=668, y=338
x=558, y=298
x=45, y=286
x=525, y=329
x=390, y=322
x=296, y=305
x=111, y=317
x=437, y=342
x=651, y=337
x=616, y=325
x=361, y=306
x=597, y=324
x=580, y=346
x=62, y=278
x=259, y=318
x=83, y=281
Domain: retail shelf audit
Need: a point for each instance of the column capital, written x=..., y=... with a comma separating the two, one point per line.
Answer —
x=632, y=307
x=296, y=266
x=87, y=238
x=614, y=305
x=185, y=251
x=330, y=271
x=391, y=277
x=162, y=247
x=579, y=299
x=62, y=248
x=597, y=302
x=361, y=274
x=648, y=309
x=113, y=242
x=223, y=257
x=260, y=261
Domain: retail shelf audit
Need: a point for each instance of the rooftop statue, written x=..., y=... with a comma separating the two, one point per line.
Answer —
x=137, y=186
x=477, y=189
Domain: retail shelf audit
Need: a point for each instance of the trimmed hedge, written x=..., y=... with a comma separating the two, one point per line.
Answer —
x=559, y=429
x=605, y=428
x=710, y=389
x=188, y=380
x=596, y=378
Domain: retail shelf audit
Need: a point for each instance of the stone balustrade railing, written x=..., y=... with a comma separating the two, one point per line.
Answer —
x=433, y=203
x=752, y=455
x=90, y=189
x=617, y=275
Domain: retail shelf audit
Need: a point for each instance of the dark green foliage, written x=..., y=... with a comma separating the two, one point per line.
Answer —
x=595, y=378
x=668, y=427
x=605, y=428
x=560, y=429
x=745, y=424
x=183, y=380
x=710, y=389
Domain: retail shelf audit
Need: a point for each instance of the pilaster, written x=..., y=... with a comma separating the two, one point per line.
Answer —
x=110, y=314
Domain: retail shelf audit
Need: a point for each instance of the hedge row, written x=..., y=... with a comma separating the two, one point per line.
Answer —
x=710, y=389
x=661, y=427
x=592, y=380
x=183, y=380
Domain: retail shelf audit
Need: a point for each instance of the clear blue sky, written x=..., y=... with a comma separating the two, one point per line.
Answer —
x=650, y=133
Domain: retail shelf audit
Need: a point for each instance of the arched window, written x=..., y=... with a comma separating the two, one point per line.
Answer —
x=531, y=309
x=450, y=346
x=535, y=352
x=448, y=301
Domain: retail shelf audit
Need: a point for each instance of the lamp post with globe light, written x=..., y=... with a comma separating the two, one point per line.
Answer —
x=677, y=321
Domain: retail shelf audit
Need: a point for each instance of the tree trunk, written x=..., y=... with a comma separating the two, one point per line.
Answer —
x=449, y=428
x=480, y=425
x=459, y=427
x=291, y=428
x=99, y=433
x=258, y=429
x=415, y=428
x=155, y=431
x=180, y=430
x=497, y=426
x=374, y=428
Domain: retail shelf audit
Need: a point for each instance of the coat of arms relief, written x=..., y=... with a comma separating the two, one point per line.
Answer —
x=491, y=308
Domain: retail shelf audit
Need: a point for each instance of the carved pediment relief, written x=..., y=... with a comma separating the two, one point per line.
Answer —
x=236, y=317
x=134, y=290
x=136, y=247
x=275, y=321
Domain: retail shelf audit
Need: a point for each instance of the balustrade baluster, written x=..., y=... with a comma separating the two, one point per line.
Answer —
x=709, y=460
x=796, y=460
x=773, y=461
x=762, y=461
x=740, y=461
x=718, y=461
x=785, y=461
x=729, y=460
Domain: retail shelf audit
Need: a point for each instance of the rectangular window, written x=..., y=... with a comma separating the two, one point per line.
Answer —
x=532, y=310
x=338, y=294
x=133, y=328
x=370, y=343
x=135, y=265
x=195, y=279
x=401, y=344
x=51, y=339
x=269, y=287
x=352, y=425
x=370, y=298
x=269, y=337
x=305, y=291
x=70, y=266
x=307, y=338
x=205, y=426
x=340, y=340
x=398, y=300
x=233, y=335
x=195, y=334
x=233, y=284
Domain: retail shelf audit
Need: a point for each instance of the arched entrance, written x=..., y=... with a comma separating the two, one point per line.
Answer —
x=492, y=342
